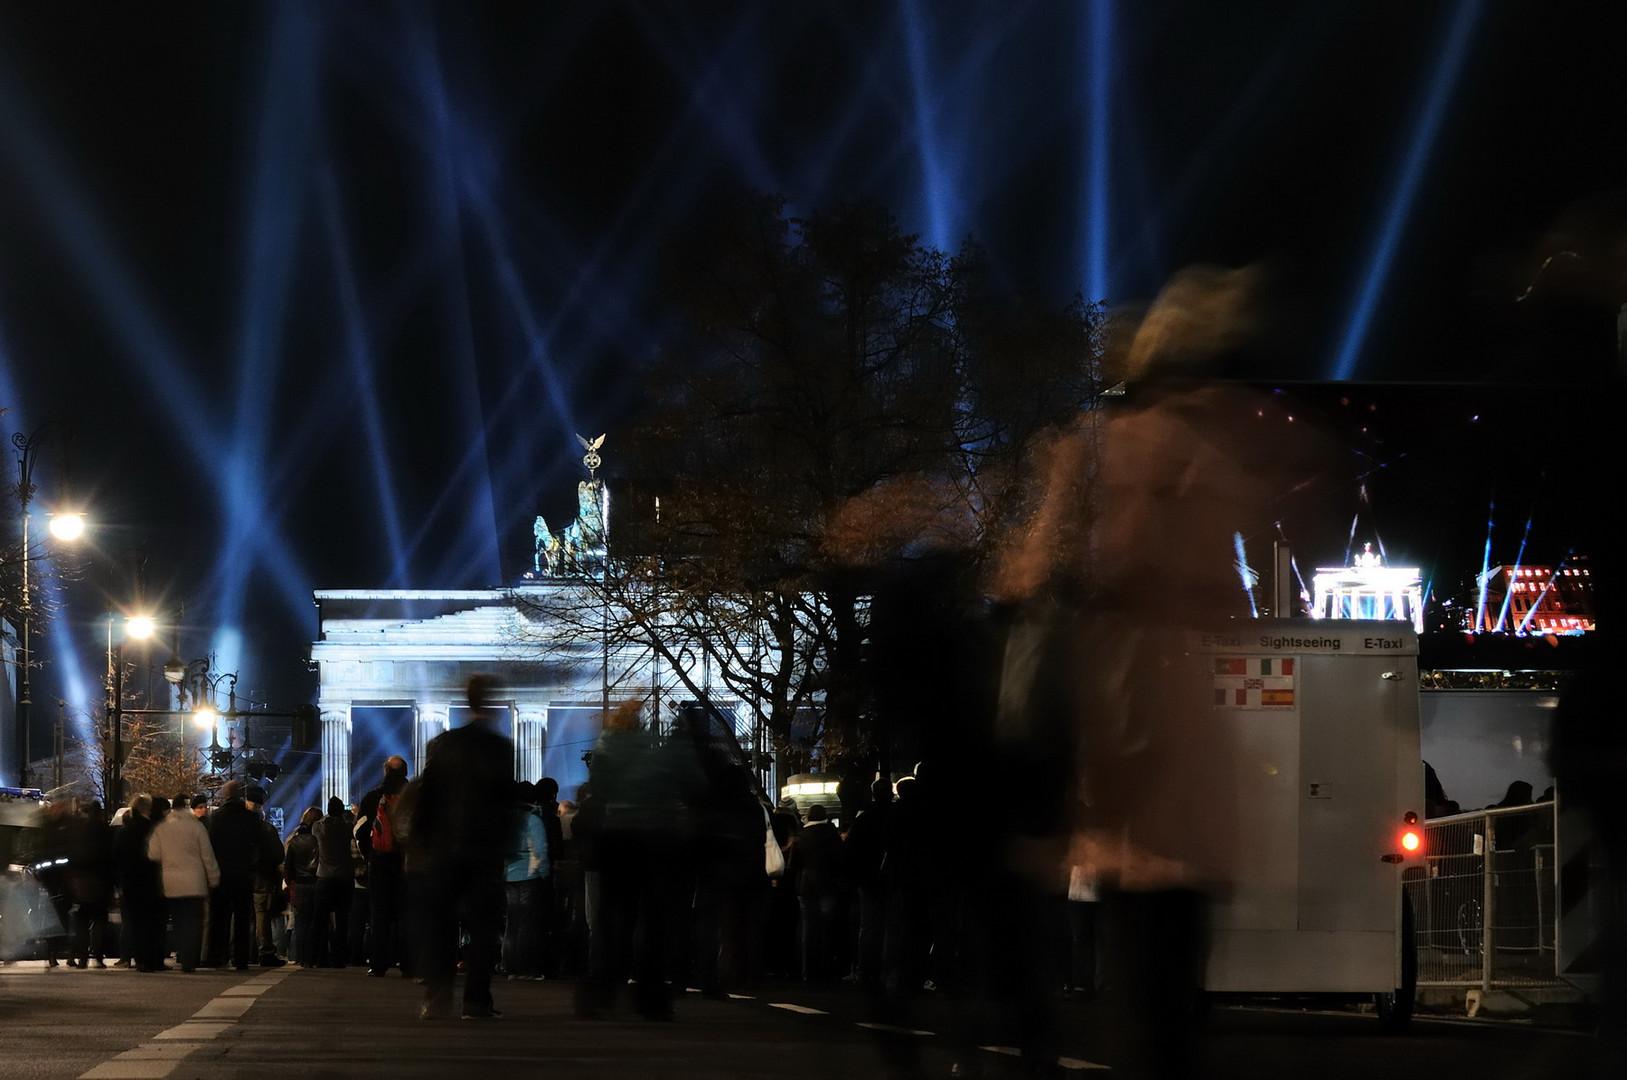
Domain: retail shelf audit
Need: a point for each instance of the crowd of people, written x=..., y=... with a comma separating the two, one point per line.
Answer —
x=670, y=869
x=658, y=875
x=197, y=883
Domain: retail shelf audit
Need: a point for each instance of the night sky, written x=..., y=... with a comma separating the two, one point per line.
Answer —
x=325, y=289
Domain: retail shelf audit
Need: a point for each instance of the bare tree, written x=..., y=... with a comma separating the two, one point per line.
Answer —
x=834, y=397
x=157, y=760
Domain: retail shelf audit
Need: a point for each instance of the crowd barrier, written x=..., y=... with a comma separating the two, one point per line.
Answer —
x=1485, y=908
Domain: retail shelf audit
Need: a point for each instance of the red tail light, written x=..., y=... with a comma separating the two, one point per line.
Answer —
x=1412, y=836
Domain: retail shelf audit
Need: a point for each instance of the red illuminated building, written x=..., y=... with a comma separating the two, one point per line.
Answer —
x=1539, y=600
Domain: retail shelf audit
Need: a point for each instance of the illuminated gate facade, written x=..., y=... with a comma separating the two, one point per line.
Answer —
x=402, y=659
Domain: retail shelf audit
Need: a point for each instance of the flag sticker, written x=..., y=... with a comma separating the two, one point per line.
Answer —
x=1254, y=682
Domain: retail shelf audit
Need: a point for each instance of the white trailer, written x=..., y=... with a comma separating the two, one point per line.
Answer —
x=1321, y=720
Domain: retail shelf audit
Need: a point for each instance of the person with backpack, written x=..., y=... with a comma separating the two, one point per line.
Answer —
x=299, y=871
x=525, y=871
x=335, y=882
x=380, y=835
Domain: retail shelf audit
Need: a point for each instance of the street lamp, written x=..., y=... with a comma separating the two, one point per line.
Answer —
x=199, y=686
x=66, y=526
x=140, y=627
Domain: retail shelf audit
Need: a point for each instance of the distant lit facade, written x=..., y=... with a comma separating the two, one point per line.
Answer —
x=393, y=664
x=1367, y=589
x=1539, y=600
x=398, y=662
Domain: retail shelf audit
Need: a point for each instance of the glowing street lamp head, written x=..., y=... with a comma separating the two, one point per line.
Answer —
x=140, y=627
x=204, y=718
x=67, y=526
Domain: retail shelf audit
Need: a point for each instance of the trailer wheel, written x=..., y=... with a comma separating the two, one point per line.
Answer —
x=1395, y=1007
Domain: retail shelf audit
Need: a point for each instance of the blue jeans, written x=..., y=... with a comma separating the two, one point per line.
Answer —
x=523, y=918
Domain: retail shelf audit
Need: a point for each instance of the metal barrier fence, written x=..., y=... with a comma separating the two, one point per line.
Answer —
x=1485, y=910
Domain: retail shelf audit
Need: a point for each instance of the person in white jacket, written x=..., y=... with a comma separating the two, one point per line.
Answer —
x=180, y=846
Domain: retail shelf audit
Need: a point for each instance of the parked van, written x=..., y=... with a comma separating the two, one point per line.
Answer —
x=1322, y=720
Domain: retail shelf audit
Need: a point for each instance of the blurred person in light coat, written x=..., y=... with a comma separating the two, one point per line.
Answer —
x=1132, y=546
x=187, y=869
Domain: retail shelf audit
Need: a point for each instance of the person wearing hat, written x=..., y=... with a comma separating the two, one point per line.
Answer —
x=269, y=900
x=234, y=833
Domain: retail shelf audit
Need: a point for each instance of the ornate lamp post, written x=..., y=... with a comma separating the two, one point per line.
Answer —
x=199, y=688
x=65, y=526
x=140, y=627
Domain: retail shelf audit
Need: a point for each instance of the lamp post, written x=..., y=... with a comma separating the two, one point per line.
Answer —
x=141, y=628
x=199, y=687
x=67, y=526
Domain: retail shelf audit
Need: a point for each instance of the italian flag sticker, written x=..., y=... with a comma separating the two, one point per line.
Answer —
x=1254, y=682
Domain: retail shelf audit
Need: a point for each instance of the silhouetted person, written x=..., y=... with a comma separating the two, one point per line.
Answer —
x=1436, y=804
x=815, y=866
x=781, y=952
x=909, y=881
x=1518, y=794
x=864, y=852
x=299, y=871
x=458, y=840
x=731, y=887
x=525, y=871
x=234, y=833
x=589, y=955
x=89, y=884
x=48, y=851
x=1589, y=761
x=552, y=906
x=647, y=790
x=141, y=900
x=335, y=883
x=270, y=902
x=386, y=875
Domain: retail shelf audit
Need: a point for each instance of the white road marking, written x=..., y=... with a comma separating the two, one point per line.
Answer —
x=248, y=989
x=1080, y=1063
x=155, y=1051
x=118, y=1069
x=224, y=1008
x=158, y=1058
x=892, y=1029
x=1064, y=1062
x=196, y=1030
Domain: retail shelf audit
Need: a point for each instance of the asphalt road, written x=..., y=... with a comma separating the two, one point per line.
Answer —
x=120, y=1025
